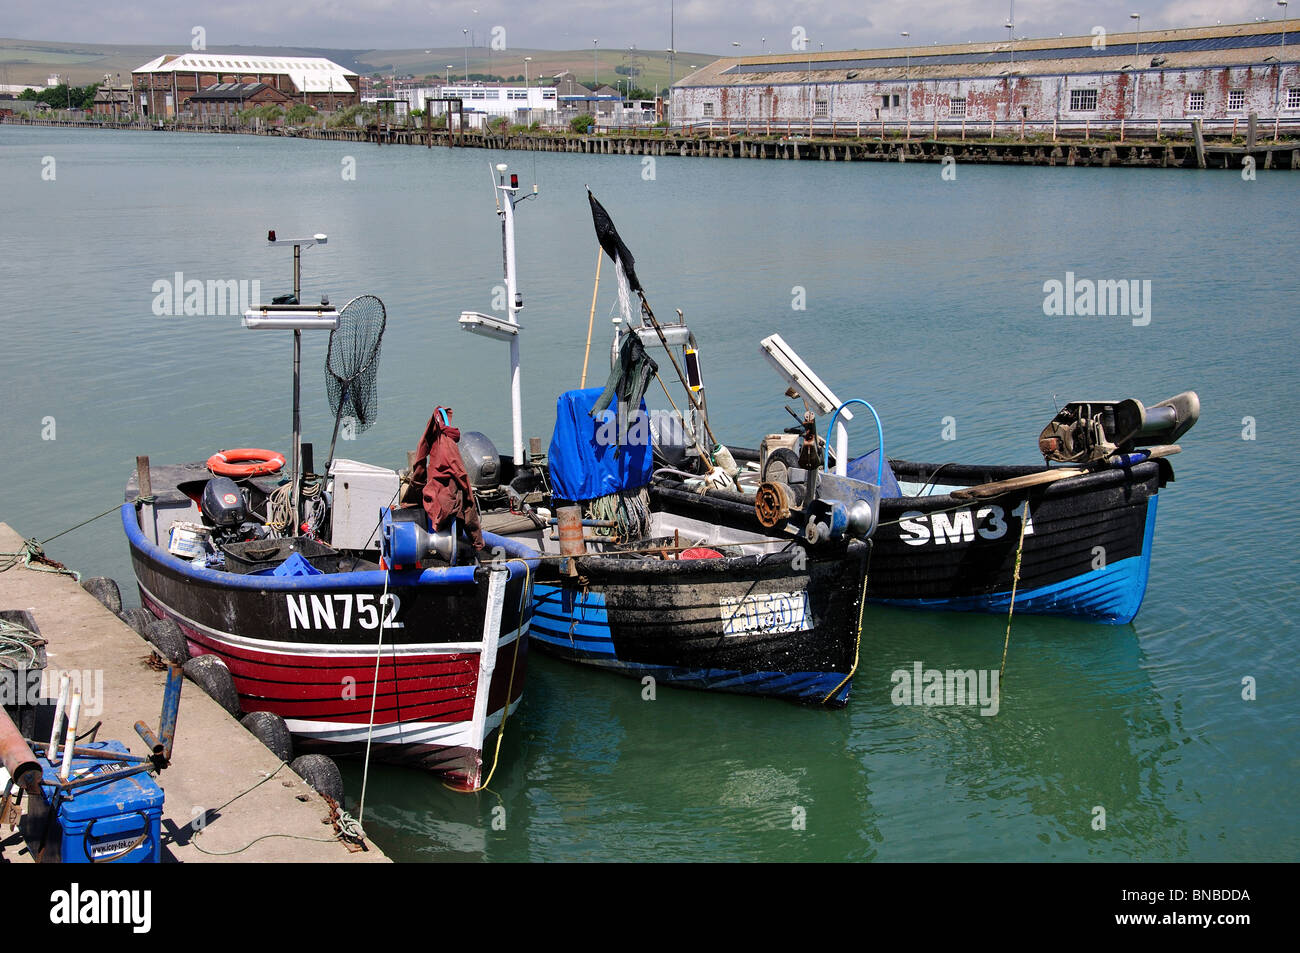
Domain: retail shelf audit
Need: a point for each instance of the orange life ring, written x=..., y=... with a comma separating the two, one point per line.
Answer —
x=245, y=462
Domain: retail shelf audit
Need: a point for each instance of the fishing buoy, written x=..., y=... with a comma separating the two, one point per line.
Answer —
x=700, y=552
x=106, y=591
x=322, y=774
x=168, y=639
x=138, y=619
x=270, y=729
x=210, y=674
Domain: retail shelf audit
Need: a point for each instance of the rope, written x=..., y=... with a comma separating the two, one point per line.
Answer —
x=139, y=499
x=17, y=640
x=1015, y=581
x=374, y=697
x=591, y=319
x=33, y=557
x=857, y=643
x=348, y=826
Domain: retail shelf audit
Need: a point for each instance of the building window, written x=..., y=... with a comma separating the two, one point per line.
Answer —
x=1236, y=99
x=957, y=107
x=1083, y=100
x=708, y=109
x=884, y=101
x=1293, y=98
x=820, y=109
x=1196, y=101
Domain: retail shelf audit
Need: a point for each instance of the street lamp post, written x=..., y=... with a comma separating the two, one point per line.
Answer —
x=1277, y=95
x=465, y=34
x=595, y=63
x=528, y=101
x=907, y=78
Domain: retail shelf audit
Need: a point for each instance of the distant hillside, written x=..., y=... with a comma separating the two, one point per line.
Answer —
x=31, y=61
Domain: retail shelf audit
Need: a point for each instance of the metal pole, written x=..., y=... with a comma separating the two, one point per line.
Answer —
x=297, y=391
x=512, y=310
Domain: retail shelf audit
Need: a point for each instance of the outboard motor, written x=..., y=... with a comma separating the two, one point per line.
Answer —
x=223, y=504
x=481, y=460
x=1086, y=431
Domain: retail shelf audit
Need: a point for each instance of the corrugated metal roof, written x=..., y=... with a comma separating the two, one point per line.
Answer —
x=310, y=74
x=1190, y=48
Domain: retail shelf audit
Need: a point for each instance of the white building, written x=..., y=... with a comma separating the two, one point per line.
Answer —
x=516, y=103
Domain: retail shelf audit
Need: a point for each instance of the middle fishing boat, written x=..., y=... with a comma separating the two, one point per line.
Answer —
x=648, y=582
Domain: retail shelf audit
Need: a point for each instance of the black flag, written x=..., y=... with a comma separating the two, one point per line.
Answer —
x=607, y=235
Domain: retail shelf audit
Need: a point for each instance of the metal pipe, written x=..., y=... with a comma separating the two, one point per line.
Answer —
x=148, y=737
x=19, y=760
x=171, y=708
x=52, y=749
x=70, y=738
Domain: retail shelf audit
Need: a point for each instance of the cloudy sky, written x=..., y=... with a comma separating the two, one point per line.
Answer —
x=701, y=25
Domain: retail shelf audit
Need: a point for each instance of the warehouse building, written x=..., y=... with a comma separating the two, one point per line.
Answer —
x=164, y=86
x=1218, y=74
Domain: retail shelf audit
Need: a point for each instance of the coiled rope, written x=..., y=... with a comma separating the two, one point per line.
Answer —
x=18, y=644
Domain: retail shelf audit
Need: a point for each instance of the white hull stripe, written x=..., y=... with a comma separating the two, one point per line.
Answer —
x=313, y=649
x=442, y=734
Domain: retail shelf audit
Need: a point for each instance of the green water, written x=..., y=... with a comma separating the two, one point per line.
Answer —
x=923, y=296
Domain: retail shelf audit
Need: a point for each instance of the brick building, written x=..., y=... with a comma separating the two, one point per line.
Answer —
x=163, y=87
x=224, y=101
x=1217, y=74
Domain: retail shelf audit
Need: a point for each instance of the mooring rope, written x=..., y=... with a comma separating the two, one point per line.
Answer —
x=374, y=697
x=33, y=557
x=1015, y=581
x=857, y=642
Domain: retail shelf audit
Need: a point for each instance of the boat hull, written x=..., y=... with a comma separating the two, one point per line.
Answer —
x=751, y=625
x=305, y=648
x=1086, y=548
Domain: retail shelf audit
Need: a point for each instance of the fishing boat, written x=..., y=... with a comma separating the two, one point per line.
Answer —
x=645, y=582
x=308, y=591
x=1072, y=539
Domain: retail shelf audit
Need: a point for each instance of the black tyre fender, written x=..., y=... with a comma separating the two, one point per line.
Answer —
x=322, y=774
x=106, y=591
x=138, y=619
x=270, y=729
x=210, y=674
x=168, y=640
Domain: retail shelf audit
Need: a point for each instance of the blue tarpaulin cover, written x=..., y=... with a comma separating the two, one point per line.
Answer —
x=582, y=467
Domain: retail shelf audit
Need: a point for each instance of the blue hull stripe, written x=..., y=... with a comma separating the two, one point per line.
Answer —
x=588, y=640
x=1113, y=594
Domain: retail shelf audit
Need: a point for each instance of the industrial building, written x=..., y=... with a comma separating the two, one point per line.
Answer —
x=163, y=86
x=1219, y=75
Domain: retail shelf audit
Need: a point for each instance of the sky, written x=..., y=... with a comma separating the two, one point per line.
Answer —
x=708, y=26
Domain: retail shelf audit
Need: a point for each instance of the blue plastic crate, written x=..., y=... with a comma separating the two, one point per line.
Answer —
x=97, y=823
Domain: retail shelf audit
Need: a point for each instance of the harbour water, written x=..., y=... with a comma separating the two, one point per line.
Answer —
x=924, y=295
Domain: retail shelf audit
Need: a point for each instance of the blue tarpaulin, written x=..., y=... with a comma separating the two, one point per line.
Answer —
x=585, y=462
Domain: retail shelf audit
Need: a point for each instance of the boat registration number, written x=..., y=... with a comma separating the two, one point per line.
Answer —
x=765, y=612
